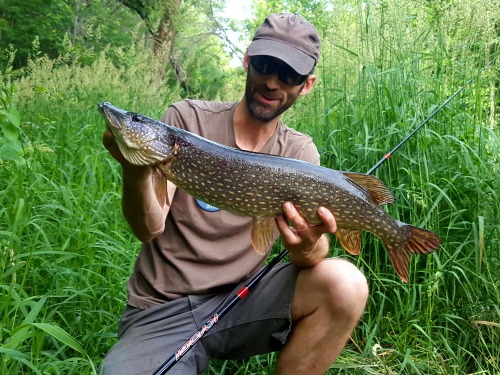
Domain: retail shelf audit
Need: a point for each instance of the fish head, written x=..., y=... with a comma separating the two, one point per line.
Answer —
x=142, y=140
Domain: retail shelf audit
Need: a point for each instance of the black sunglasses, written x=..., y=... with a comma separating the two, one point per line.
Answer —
x=267, y=65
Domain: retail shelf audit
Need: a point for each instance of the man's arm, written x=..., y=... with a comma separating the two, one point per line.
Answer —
x=140, y=206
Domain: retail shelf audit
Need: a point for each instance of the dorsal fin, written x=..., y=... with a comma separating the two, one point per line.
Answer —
x=374, y=187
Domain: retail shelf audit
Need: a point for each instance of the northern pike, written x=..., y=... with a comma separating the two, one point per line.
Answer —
x=256, y=185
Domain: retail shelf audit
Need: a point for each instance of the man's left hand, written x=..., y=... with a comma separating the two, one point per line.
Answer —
x=306, y=243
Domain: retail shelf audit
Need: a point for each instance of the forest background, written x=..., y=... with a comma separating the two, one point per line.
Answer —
x=66, y=251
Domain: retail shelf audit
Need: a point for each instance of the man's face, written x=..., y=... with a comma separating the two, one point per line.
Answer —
x=266, y=95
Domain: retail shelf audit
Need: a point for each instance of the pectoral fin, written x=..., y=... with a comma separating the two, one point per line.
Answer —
x=160, y=187
x=133, y=156
x=262, y=234
x=350, y=239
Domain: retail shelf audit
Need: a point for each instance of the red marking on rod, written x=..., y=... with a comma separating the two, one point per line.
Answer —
x=388, y=155
x=243, y=292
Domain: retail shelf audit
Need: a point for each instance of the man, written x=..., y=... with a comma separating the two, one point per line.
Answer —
x=194, y=256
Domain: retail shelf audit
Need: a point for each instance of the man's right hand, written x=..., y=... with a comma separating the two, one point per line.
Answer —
x=108, y=140
x=139, y=203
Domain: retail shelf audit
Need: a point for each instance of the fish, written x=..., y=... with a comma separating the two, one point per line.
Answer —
x=256, y=185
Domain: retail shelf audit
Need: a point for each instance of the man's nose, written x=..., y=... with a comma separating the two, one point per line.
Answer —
x=272, y=81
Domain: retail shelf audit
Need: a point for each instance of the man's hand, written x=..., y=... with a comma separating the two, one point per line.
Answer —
x=306, y=243
x=108, y=140
x=140, y=205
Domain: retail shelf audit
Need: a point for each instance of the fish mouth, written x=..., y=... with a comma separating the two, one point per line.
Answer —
x=134, y=147
x=112, y=114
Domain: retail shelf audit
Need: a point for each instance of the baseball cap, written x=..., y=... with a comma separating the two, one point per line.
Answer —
x=290, y=38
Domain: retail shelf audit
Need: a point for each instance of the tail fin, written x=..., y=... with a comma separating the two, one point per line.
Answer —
x=418, y=241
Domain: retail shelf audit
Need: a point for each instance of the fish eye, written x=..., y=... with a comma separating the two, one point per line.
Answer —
x=137, y=117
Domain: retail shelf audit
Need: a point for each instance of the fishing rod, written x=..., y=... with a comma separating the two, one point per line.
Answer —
x=175, y=357
x=389, y=154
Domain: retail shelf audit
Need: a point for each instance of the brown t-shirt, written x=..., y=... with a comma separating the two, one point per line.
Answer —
x=201, y=251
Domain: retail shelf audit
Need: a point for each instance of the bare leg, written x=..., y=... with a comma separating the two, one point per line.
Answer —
x=328, y=302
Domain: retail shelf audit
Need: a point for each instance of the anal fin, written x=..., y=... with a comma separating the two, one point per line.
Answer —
x=350, y=239
x=262, y=234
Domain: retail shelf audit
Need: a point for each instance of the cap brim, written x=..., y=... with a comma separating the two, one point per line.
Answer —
x=301, y=62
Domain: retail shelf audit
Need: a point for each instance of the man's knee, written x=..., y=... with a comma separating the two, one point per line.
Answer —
x=348, y=287
x=337, y=285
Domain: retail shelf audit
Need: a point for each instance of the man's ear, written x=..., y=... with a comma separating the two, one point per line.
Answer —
x=246, y=61
x=308, y=86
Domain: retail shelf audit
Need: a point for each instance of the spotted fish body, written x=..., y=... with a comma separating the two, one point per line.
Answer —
x=256, y=185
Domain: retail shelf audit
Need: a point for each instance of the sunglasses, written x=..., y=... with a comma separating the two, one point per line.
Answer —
x=267, y=65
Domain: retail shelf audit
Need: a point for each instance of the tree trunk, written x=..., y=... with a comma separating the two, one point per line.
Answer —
x=165, y=34
x=164, y=38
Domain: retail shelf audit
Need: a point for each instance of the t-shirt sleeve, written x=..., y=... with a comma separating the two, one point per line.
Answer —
x=310, y=153
x=175, y=116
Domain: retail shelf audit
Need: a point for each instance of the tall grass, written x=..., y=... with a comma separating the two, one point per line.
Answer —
x=446, y=178
x=66, y=251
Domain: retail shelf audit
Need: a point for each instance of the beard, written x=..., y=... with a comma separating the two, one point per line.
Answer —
x=260, y=111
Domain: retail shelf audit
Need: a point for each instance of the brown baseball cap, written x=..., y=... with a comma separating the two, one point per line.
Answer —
x=290, y=38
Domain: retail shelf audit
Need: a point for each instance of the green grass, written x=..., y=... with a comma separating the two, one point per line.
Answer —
x=66, y=251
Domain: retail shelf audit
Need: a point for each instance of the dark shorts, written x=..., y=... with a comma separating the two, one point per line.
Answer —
x=259, y=323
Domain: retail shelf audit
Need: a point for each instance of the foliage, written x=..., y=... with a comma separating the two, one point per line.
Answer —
x=10, y=144
x=66, y=251
x=54, y=27
x=80, y=30
x=48, y=20
x=203, y=65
